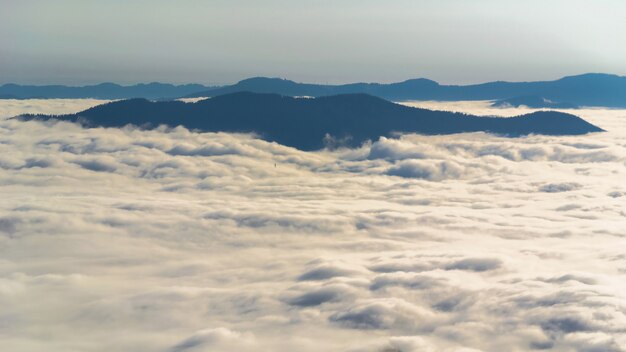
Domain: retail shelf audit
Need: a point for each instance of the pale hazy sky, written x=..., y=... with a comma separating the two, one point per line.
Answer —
x=212, y=41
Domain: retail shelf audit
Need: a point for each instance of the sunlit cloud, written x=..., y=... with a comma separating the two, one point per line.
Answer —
x=172, y=240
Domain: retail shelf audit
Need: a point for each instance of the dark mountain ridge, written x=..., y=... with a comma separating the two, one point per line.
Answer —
x=99, y=91
x=306, y=123
x=593, y=89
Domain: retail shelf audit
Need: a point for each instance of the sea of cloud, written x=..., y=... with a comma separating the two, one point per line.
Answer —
x=170, y=240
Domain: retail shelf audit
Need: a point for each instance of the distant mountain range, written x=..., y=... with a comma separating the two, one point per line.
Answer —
x=100, y=91
x=583, y=90
x=310, y=124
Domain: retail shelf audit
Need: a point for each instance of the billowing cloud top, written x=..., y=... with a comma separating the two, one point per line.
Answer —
x=170, y=240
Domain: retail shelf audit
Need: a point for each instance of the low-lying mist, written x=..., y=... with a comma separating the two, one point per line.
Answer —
x=171, y=240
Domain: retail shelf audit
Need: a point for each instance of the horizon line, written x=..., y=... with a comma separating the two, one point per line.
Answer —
x=304, y=82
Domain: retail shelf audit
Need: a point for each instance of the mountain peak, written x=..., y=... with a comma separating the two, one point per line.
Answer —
x=265, y=80
x=591, y=76
x=421, y=81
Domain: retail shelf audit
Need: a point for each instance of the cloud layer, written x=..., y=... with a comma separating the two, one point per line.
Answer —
x=169, y=240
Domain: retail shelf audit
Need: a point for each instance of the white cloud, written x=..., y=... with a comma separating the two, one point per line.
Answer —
x=171, y=240
x=215, y=339
x=559, y=187
x=397, y=344
x=430, y=171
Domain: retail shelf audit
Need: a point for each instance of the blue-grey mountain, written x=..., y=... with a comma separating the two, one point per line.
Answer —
x=582, y=90
x=310, y=124
x=99, y=91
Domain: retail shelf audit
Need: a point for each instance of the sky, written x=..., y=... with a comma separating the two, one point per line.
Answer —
x=79, y=42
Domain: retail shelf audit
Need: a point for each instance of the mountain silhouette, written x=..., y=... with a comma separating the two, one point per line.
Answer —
x=532, y=101
x=583, y=90
x=99, y=91
x=311, y=124
x=591, y=89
